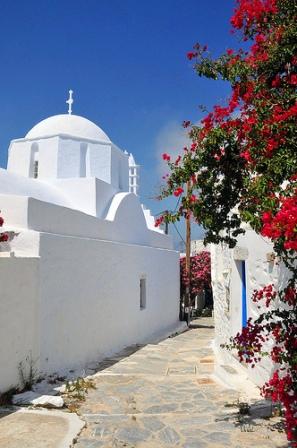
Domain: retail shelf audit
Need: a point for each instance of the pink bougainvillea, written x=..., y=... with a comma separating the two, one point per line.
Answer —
x=200, y=273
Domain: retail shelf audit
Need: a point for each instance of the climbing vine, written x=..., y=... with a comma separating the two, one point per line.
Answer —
x=241, y=166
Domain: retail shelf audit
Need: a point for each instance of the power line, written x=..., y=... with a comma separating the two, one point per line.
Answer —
x=179, y=233
x=178, y=201
x=170, y=211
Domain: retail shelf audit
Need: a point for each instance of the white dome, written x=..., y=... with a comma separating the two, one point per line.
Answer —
x=66, y=124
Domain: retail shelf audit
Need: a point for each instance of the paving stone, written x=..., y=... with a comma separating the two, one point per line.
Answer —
x=194, y=432
x=194, y=420
x=199, y=396
x=106, y=419
x=169, y=436
x=229, y=369
x=101, y=431
x=195, y=443
x=87, y=443
x=188, y=406
x=182, y=371
x=220, y=426
x=161, y=409
x=218, y=437
x=132, y=435
x=152, y=423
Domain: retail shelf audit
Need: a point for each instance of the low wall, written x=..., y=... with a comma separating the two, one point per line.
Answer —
x=19, y=318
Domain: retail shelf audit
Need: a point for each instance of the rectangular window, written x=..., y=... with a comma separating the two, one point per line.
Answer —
x=35, y=169
x=142, y=293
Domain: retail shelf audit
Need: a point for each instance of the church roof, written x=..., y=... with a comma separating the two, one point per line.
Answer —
x=67, y=124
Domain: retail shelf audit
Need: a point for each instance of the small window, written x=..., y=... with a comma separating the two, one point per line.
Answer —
x=35, y=169
x=142, y=293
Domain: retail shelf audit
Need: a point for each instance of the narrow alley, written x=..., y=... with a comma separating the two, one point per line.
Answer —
x=165, y=395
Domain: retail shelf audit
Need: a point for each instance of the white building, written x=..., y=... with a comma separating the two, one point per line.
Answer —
x=133, y=175
x=236, y=273
x=198, y=246
x=85, y=272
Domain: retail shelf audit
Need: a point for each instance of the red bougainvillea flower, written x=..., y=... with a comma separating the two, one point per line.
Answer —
x=186, y=123
x=283, y=223
x=293, y=79
x=177, y=161
x=178, y=191
x=166, y=157
x=191, y=55
x=4, y=237
x=159, y=221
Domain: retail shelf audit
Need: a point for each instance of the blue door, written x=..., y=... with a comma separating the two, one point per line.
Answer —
x=243, y=295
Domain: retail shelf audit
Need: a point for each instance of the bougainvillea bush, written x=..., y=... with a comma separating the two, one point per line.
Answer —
x=3, y=235
x=242, y=167
x=200, y=274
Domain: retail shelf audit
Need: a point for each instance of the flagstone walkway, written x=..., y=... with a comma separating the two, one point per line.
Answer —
x=164, y=396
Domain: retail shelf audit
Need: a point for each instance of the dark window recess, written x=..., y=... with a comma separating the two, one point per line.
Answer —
x=142, y=293
x=35, y=169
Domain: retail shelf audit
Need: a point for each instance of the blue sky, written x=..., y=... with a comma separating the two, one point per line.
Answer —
x=126, y=62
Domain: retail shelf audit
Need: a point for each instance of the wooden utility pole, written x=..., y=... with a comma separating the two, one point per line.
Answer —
x=188, y=260
x=166, y=224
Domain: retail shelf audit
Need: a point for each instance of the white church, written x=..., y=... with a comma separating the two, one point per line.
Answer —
x=85, y=272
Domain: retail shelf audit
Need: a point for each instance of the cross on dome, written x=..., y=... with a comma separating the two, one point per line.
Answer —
x=70, y=102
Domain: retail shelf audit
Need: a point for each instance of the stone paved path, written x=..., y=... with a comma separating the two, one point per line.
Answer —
x=164, y=396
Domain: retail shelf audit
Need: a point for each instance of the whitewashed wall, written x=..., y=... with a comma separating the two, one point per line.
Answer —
x=81, y=300
x=226, y=283
x=125, y=221
x=19, y=317
x=90, y=297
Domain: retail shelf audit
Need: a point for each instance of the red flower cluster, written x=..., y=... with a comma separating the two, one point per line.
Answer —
x=178, y=191
x=290, y=296
x=280, y=114
x=283, y=224
x=191, y=55
x=251, y=13
x=159, y=221
x=293, y=79
x=3, y=236
x=166, y=157
x=268, y=293
x=249, y=343
x=280, y=388
x=177, y=161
